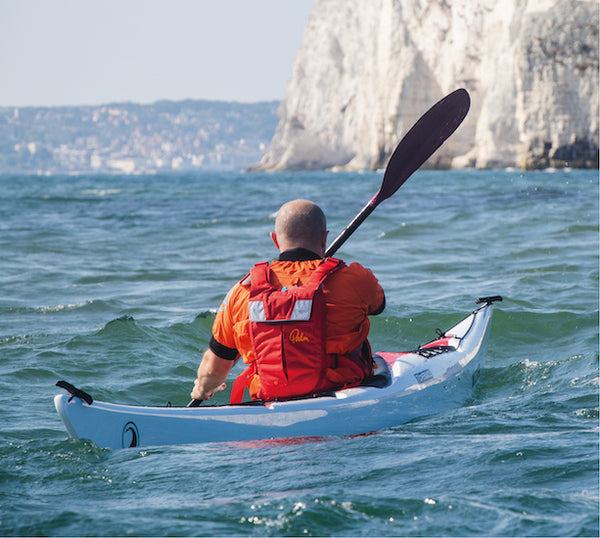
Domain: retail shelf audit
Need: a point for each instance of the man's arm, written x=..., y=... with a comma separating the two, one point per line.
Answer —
x=374, y=293
x=212, y=374
x=379, y=310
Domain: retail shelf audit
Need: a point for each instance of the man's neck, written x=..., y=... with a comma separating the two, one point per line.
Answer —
x=298, y=255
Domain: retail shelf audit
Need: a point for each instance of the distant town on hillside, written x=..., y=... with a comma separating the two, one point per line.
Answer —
x=127, y=138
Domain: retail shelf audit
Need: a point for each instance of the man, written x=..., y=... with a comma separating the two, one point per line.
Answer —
x=300, y=322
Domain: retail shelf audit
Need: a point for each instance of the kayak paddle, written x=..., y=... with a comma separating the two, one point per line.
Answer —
x=423, y=139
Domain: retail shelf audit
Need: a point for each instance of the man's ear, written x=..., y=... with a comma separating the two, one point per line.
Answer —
x=274, y=239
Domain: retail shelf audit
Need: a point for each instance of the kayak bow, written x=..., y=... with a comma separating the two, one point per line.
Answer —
x=436, y=377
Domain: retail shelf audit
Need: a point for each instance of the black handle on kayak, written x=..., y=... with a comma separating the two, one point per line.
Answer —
x=75, y=392
x=195, y=403
x=488, y=300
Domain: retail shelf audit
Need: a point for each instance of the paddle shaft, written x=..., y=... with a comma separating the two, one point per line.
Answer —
x=349, y=230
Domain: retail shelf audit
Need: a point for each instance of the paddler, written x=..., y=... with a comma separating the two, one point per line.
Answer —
x=300, y=322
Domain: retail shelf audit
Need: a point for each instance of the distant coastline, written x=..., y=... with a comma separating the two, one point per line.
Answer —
x=129, y=138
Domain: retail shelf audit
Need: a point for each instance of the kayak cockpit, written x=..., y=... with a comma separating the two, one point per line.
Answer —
x=382, y=374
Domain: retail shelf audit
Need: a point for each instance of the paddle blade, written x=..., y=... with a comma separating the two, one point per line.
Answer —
x=421, y=142
x=425, y=136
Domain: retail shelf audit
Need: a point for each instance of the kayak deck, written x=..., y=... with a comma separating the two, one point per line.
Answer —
x=437, y=376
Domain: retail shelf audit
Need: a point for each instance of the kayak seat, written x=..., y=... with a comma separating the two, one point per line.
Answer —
x=378, y=381
x=382, y=376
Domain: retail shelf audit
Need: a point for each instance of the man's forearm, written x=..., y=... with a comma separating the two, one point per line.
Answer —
x=212, y=374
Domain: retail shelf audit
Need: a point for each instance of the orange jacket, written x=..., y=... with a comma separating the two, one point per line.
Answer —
x=351, y=295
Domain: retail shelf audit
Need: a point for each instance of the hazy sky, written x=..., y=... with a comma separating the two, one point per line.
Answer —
x=71, y=52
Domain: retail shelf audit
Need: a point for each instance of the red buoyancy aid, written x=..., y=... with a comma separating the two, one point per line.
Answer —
x=288, y=332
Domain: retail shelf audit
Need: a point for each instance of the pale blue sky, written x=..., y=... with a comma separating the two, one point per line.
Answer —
x=72, y=52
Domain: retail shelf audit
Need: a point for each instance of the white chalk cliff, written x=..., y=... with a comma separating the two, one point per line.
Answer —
x=368, y=69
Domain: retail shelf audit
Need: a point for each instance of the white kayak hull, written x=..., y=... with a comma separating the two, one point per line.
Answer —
x=427, y=381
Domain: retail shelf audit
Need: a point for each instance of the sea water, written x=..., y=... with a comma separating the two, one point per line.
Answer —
x=111, y=283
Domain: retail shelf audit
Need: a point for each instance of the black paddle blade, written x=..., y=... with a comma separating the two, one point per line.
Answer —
x=421, y=142
x=424, y=137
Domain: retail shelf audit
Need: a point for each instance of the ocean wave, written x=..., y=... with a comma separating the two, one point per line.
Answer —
x=62, y=307
x=19, y=339
x=101, y=192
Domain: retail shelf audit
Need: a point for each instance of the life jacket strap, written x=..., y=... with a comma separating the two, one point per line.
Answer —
x=237, y=389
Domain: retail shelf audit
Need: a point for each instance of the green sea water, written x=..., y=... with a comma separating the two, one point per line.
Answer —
x=112, y=283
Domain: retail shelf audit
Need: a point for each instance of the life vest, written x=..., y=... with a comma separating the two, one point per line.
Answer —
x=288, y=333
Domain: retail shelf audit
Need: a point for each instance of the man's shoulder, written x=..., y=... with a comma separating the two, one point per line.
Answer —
x=239, y=291
x=356, y=269
x=356, y=277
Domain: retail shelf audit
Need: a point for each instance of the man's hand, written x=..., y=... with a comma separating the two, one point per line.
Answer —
x=212, y=374
x=200, y=393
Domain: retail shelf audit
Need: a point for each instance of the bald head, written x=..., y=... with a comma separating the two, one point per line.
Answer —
x=301, y=224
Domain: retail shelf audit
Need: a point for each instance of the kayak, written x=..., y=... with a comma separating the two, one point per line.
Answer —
x=434, y=378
